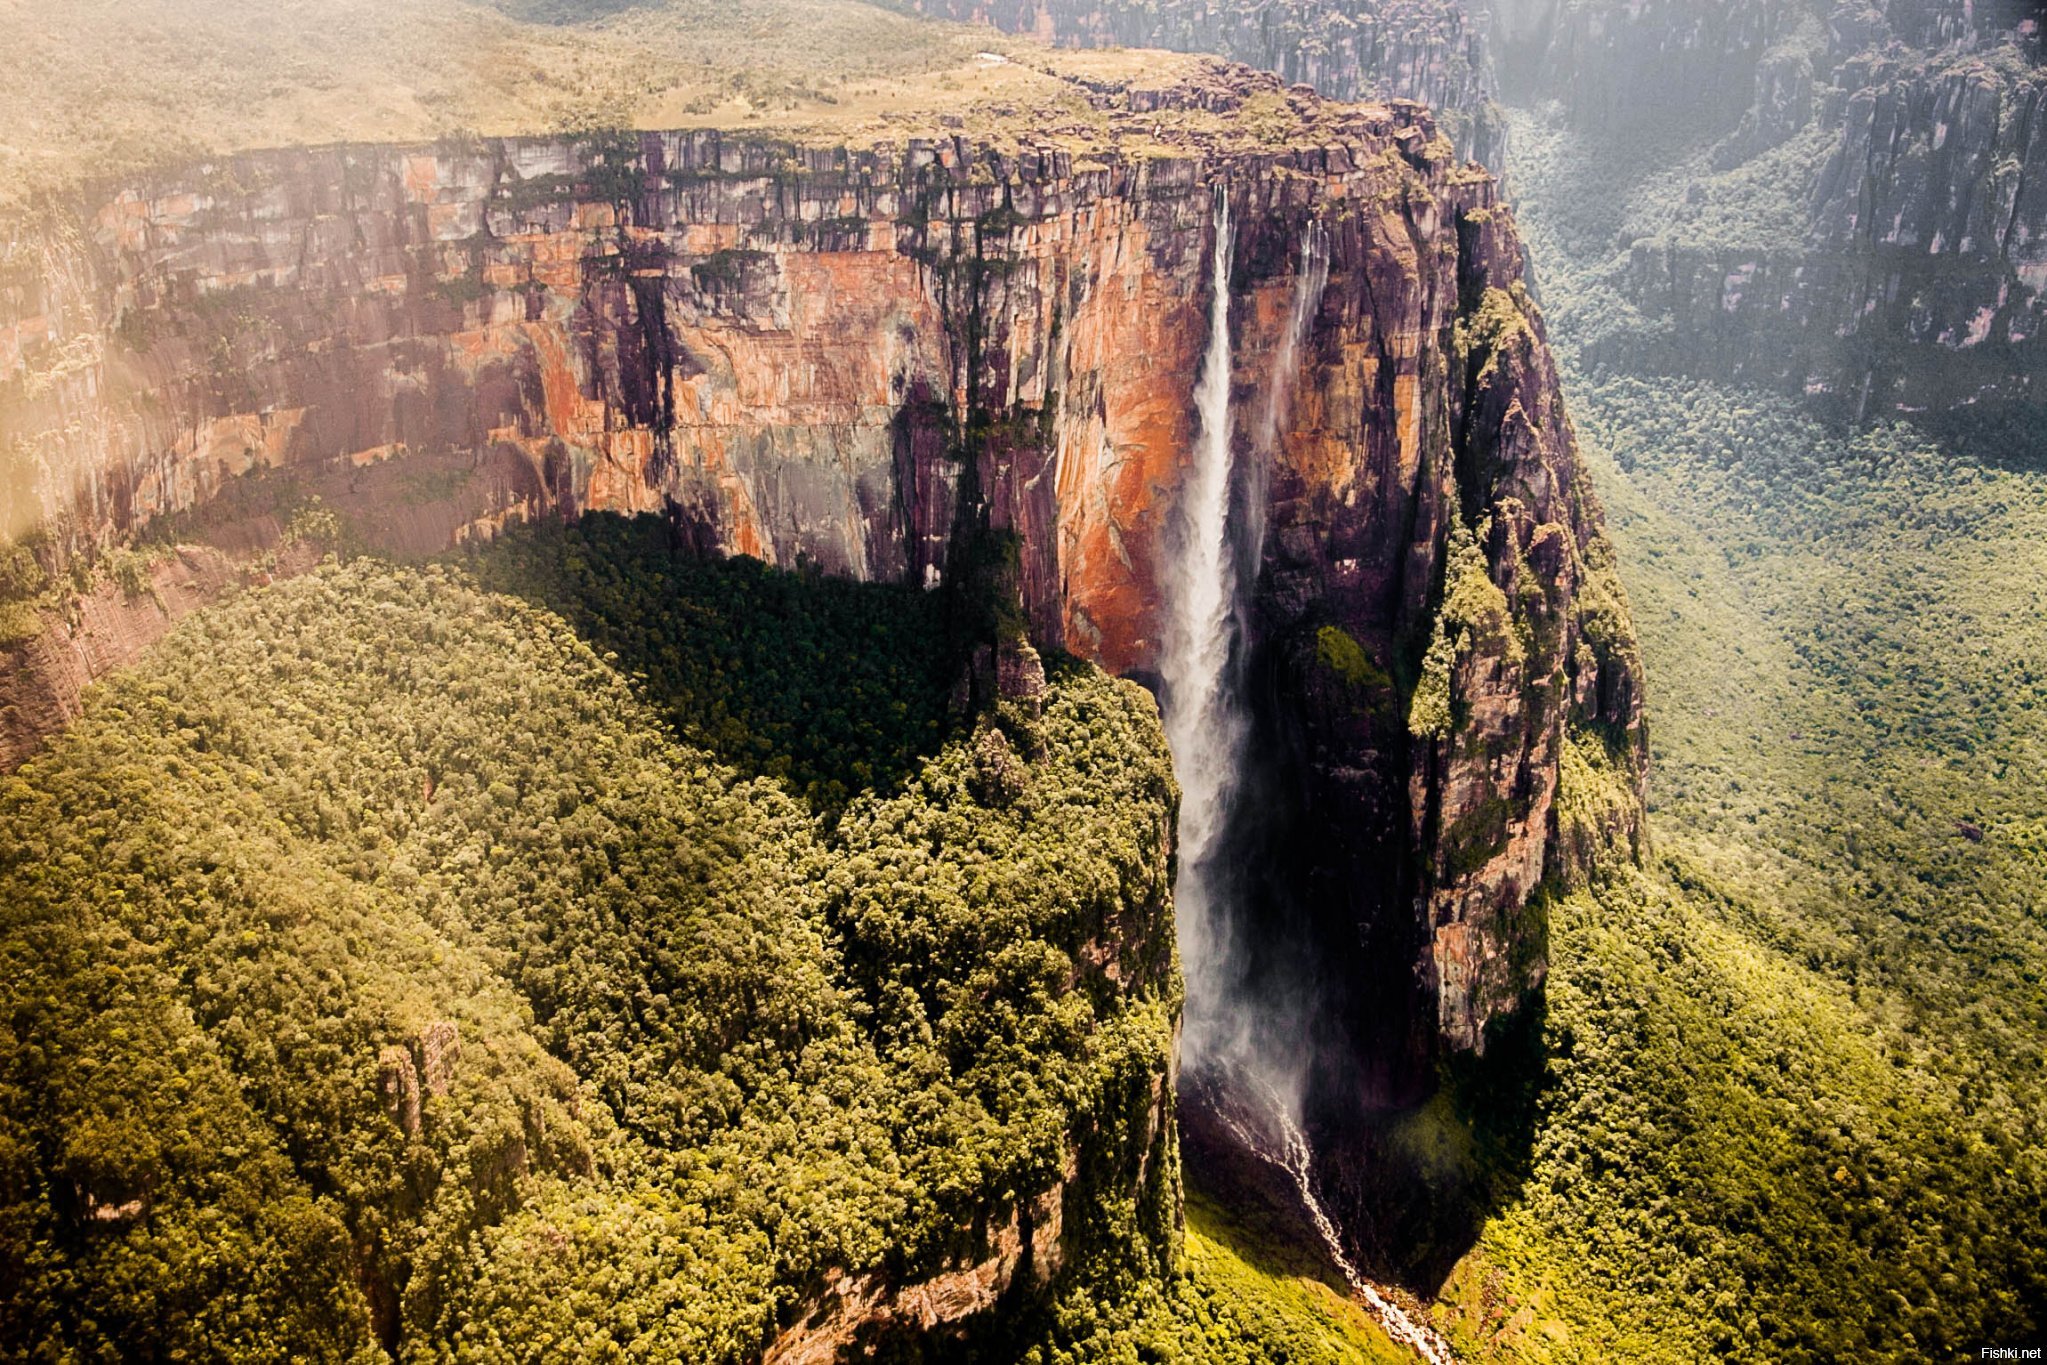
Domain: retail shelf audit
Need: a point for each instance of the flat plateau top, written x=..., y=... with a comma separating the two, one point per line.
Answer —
x=100, y=88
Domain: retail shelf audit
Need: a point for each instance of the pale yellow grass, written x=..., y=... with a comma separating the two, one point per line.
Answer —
x=107, y=87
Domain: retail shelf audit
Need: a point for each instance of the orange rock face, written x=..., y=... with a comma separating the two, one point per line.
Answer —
x=839, y=358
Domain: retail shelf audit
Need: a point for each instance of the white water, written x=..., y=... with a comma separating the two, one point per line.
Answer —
x=1205, y=722
x=1309, y=284
x=1244, y=1103
x=1205, y=726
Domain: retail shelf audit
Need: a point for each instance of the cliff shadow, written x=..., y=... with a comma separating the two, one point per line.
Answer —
x=2007, y=436
x=829, y=686
x=1414, y=1148
x=1413, y=1187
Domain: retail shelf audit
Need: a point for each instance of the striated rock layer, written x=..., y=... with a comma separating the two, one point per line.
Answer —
x=1612, y=61
x=1915, y=277
x=843, y=358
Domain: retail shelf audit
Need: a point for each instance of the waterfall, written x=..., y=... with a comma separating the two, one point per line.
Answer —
x=1261, y=1121
x=1309, y=283
x=1204, y=723
x=1250, y=1090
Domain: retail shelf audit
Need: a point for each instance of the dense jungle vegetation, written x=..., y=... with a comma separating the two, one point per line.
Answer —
x=654, y=1042
x=381, y=970
x=1793, y=1104
x=732, y=651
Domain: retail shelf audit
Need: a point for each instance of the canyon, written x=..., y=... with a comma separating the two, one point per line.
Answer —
x=558, y=562
x=1898, y=264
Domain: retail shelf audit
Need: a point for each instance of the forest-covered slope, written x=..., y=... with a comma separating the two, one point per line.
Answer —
x=1791, y=1107
x=382, y=971
x=378, y=968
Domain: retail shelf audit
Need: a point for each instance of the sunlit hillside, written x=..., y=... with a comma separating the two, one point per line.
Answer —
x=1794, y=1106
x=773, y=682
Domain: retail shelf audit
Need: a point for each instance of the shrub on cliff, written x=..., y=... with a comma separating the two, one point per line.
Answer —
x=1473, y=617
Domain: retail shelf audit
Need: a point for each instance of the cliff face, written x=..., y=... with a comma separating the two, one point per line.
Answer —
x=1431, y=51
x=1914, y=277
x=1618, y=61
x=840, y=358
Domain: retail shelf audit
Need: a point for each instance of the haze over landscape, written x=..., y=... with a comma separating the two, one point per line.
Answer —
x=1023, y=680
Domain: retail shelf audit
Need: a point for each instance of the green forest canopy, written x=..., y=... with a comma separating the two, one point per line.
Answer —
x=377, y=839
x=1792, y=1107
x=380, y=970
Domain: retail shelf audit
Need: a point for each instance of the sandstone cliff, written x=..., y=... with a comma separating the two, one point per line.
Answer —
x=1614, y=62
x=840, y=356
x=1908, y=270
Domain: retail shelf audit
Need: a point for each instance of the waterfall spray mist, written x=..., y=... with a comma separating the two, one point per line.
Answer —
x=1206, y=721
x=1205, y=725
x=1309, y=283
x=1250, y=1086
x=1267, y=1043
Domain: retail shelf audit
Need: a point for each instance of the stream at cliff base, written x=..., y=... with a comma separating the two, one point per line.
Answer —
x=1260, y=1121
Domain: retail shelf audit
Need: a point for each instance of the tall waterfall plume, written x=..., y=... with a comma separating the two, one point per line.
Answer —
x=1309, y=283
x=1244, y=1062
x=1204, y=720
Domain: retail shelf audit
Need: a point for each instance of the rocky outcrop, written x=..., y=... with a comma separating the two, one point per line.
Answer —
x=1945, y=23
x=1916, y=280
x=843, y=357
x=1436, y=52
x=407, y=1075
x=1939, y=185
x=853, y=1311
